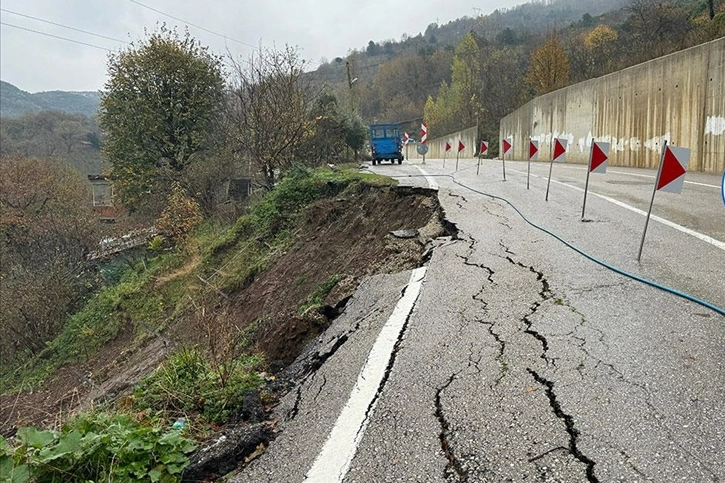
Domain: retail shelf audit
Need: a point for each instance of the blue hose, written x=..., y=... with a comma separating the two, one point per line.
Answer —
x=581, y=252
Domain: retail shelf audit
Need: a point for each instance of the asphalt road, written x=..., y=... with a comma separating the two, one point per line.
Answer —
x=523, y=359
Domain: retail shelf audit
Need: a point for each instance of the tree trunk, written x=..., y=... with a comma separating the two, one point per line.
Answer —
x=711, y=4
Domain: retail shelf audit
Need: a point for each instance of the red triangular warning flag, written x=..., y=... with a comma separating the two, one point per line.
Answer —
x=461, y=147
x=559, y=149
x=598, y=157
x=484, y=147
x=671, y=169
x=448, y=146
x=533, y=149
x=506, y=146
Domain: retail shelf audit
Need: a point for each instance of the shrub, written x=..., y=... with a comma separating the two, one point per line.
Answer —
x=97, y=447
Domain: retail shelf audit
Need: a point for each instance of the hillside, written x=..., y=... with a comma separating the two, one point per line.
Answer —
x=15, y=102
x=263, y=288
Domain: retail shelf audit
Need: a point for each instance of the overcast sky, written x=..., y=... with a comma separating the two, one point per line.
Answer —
x=326, y=29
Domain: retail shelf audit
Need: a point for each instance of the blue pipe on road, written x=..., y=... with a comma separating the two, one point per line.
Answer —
x=582, y=252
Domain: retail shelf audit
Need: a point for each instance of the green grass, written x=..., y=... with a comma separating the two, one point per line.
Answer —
x=190, y=385
x=321, y=292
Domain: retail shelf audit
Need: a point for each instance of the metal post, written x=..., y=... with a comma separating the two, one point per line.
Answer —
x=504, y=166
x=548, y=183
x=586, y=185
x=528, y=169
x=654, y=191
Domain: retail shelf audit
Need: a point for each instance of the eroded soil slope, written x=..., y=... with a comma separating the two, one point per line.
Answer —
x=341, y=239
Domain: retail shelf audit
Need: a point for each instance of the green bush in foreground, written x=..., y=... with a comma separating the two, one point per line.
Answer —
x=96, y=447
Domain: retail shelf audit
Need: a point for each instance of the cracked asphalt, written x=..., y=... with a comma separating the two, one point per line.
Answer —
x=523, y=360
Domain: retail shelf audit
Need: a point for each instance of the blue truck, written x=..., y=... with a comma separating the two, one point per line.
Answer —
x=385, y=143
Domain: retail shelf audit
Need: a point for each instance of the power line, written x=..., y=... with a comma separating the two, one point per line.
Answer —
x=56, y=36
x=64, y=26
x=193, y=25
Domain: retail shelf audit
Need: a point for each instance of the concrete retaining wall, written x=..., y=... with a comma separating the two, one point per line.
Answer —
x=437, y=146
x=679, y=98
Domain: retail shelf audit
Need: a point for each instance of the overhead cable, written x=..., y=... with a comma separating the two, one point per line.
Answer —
x=56, y=36
x=193, y=25
x=63, y=26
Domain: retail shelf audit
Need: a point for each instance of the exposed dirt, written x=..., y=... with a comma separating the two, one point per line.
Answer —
x=348, y=238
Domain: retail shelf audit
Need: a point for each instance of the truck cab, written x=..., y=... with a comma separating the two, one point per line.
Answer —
x=385, y=143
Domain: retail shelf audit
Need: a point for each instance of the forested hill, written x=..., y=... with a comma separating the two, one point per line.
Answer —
x=15, y=102
x=525, y=20
x=475, y=70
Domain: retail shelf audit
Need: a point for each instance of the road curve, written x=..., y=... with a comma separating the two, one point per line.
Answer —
x=523, y=360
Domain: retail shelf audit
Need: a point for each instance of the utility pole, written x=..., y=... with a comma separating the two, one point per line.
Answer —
x=350, y=82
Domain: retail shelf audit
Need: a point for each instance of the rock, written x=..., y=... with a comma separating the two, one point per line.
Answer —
x=221, y=455
x=252, y=408
x=404, y=233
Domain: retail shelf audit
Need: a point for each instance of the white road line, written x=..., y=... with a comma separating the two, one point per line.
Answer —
x=653, y=177
x=431, y=182
x=701, y=236
x=333, y=462
x=583, y=168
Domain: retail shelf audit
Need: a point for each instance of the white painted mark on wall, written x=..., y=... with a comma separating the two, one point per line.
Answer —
x=655, y=143
x=715, y=125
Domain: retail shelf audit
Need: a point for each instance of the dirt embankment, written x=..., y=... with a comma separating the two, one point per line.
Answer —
x=344, y=239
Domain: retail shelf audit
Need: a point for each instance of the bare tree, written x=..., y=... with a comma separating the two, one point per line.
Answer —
x=46, y=228
x=658, y=27
x=271, y=97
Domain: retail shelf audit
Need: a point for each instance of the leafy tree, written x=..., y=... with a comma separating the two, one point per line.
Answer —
x=331, y=130
x=502, y=72
x=356, y=133
x=181, y=215
x=372, y=49
x=268, y=113
x=46, y=229
x=601, y=45
x=466, y=81
x=159, y=112
x=548, y=68
x=458, y=105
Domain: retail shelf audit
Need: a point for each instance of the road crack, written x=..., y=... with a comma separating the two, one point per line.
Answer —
x=454, y=465
x=568, y=423
x=544, y=294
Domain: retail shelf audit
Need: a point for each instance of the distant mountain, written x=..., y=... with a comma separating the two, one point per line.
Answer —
x=15, y=102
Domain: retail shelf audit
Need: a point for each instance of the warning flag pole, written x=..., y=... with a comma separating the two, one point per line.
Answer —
x=504, y=165
x=551, y=167
x=652, y=201
x=586, y=185
x=528, y=167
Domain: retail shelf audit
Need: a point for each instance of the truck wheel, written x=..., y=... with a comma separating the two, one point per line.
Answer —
x=400, y=160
